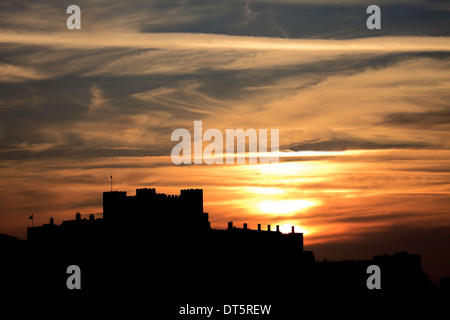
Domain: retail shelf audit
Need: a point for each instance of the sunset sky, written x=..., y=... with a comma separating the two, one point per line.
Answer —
x=363, y=115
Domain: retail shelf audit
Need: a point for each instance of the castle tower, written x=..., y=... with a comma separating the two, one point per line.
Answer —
x=114, y=205
x=192, y=205
x=193, y=198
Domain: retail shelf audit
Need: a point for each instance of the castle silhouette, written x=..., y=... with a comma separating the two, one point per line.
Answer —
x=166, y=243
x=131, y=218
x=176, y=221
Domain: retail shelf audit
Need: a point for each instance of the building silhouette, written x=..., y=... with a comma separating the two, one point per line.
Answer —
x=177, y=222
x=165, y=244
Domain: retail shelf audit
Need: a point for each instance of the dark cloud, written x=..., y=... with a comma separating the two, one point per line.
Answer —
x=389, y=218
x=350, y=144
x=294, y=19
x=82, y=152
x=436, y=120
x=58, y=111
x=305, y=19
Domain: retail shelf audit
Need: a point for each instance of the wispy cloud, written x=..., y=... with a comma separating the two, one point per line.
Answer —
x=13, y=73
x=193, y=41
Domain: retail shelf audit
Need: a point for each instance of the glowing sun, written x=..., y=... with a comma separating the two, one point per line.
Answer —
x=284, y=206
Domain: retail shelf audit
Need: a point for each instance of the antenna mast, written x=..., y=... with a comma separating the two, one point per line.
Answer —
x=111, y=183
